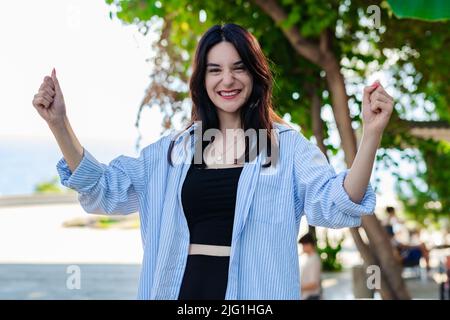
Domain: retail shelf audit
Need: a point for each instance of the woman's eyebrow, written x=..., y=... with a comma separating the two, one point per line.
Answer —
x=218, y=65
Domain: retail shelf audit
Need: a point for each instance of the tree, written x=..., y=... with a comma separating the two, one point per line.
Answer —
x=321, y=52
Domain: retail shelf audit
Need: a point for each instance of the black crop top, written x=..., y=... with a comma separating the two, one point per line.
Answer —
x=209, y=199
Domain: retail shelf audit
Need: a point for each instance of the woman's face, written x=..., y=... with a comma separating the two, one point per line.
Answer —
x=227, y=80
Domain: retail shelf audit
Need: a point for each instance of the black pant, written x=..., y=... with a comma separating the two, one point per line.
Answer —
x=205, y=278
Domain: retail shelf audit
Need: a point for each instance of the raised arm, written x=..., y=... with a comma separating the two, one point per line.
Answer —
x=117, y=188
x=49, y=102
x=377, y=109
x=339, y=200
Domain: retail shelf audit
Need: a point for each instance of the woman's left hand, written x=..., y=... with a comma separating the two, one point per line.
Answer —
x=377, y=109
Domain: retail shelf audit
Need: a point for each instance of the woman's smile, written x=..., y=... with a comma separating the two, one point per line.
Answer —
x=229, y=94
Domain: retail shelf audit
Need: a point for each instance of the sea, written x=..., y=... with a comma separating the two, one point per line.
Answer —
x=24, y=163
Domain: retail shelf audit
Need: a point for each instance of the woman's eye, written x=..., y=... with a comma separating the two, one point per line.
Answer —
x=214, y=70
x=240, y=68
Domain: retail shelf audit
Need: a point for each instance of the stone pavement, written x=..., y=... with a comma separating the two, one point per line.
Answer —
x=49, y=281
x=338, y=286
x=115, y=281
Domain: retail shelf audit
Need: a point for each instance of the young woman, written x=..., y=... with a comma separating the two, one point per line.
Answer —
x=220, y=206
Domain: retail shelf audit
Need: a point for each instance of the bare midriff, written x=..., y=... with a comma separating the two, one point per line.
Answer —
x=209, y=250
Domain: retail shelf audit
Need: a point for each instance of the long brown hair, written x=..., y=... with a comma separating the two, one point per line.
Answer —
x=257, y=113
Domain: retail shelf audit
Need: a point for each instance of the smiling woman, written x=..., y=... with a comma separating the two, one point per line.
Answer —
x=212, y=232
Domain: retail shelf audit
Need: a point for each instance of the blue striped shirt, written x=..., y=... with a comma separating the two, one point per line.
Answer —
x=269, y=205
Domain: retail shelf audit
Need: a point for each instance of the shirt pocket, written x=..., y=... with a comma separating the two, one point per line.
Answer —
x=266, y=206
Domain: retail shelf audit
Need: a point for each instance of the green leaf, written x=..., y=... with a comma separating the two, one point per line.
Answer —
x=429, y=10
x=292, y=19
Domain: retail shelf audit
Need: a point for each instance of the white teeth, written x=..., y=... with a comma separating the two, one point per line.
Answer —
x=229, y=94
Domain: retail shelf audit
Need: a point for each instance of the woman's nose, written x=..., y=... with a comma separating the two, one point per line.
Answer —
x=228, y=78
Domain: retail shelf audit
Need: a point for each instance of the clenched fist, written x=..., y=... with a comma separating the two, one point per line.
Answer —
x=49, y=101
x=377, y=108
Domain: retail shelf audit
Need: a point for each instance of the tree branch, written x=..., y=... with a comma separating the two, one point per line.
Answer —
x=305, y=47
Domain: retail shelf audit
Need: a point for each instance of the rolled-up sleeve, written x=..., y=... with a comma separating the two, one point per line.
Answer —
x=109, y=189
x=85, y=176
x=320, y=191
x=345, y=204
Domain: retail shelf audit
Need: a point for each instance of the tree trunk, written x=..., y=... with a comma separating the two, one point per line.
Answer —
x=322, y=55
x=369, y=259
x=317, y=128
x=339, y=103
x=391, y=269
x=316, y=120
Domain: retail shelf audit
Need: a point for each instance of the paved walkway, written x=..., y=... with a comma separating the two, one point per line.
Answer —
x=35, y=234
x=105, y=281
x=49, y=281
x=339, y=286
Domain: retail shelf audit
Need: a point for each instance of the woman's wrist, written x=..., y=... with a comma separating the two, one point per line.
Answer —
x=59, y=124
x=372, y=137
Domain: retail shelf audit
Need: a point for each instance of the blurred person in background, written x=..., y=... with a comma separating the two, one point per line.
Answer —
x=393, y=220
x=408, y=255
x=311, y=269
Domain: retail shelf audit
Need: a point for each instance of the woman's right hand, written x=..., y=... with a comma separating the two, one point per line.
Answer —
x=49, y=101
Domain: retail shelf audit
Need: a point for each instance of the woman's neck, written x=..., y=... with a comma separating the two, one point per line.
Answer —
x=229, y=121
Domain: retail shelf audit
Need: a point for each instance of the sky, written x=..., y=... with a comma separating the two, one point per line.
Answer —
x=100, y=64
